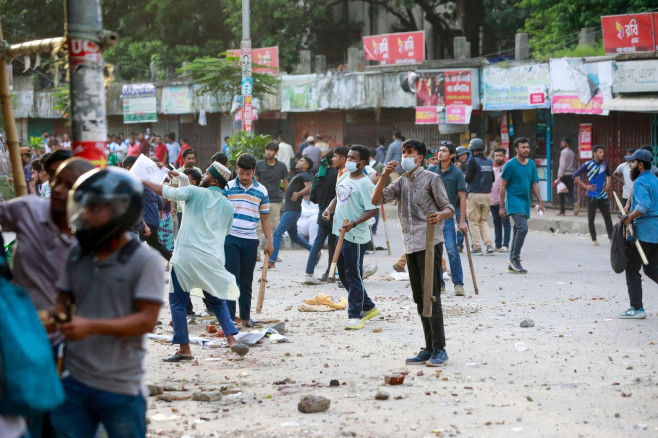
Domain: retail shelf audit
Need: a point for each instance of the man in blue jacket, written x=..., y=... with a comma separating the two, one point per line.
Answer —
x=644, y=217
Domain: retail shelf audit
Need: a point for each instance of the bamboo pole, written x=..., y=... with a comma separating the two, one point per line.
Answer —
x=33, y=47
x=20, y=186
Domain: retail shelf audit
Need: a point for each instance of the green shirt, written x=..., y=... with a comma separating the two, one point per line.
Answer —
x=519, y=178
x=453, y=180
x=353, y=199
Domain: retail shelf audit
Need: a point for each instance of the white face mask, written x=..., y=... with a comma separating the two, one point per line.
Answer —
x=352, y=166
x=408, y=164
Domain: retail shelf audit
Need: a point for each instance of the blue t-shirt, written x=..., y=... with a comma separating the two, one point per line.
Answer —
x=596, y=175
x=520, y=179
x=645, y=200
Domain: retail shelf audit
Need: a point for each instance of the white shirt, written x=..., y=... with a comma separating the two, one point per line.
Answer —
x=624, y=169
x=285, y=154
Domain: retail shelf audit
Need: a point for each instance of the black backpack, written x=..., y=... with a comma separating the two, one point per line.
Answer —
x=619, y=248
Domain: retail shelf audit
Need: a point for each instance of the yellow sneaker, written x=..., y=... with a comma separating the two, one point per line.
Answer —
x=369, y=314
x=354, y=324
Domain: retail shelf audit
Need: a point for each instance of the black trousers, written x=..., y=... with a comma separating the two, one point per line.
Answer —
x=154, y=242
x=604, y=206
x=435, y=337
x=568, y=181
x=633, y=277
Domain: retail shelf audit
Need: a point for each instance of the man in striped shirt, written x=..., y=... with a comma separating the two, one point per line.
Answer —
x=598, y=182
x=251, y=205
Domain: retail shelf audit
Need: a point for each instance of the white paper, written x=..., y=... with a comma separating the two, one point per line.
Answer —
x=145, y=169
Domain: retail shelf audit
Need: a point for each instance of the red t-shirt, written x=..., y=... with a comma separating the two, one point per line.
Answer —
x=144, y=147
x=133, y=150
x=161, y=152
x=179, y=160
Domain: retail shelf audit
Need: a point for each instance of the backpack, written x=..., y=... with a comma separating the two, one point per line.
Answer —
x=618, y=249
x=28, y=376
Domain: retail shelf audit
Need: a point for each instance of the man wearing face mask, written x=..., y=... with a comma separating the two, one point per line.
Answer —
x=353, y=203
x=419, y=192
x=199, y=258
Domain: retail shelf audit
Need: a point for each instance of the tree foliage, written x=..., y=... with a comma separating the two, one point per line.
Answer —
x=554, y=24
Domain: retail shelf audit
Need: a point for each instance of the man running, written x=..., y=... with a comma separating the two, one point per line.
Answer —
x=419, y=192
x=353, y=203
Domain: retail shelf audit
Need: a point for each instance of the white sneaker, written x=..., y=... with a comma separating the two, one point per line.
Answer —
x=368, y=270
x=354, y=324
x=502, y=249
x=311, y=280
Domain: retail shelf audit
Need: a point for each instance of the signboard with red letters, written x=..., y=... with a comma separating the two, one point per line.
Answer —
x=585, y=141
x=268, y=57
x=630, y=33
x=395, y=48
x=427, y=115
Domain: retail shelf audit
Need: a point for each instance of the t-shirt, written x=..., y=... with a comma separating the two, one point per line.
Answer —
x=625, y=171
x=453, y=180
x=110, y=289
x=596, y=175
x=297, y=184
x=271, y=177
x=119, y=150
x=173, y=149
x=315, y=154
x=152, y=206
x=353, y=198
x=645, y=200
x=161, y=151
x=520, y=179
x=248, y=205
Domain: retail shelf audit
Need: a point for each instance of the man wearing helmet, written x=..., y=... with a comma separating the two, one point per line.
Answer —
x=113, y=285
x=199, y=260
x=461, y=162
x=480, y=179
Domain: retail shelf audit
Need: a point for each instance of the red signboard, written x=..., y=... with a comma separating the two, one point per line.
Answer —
x=458, y=114
x=628, y=33
x=427, y=115
x=267, y=56
x=458, y=87
x=585, y=141
x=571, y=104
x=395, y=48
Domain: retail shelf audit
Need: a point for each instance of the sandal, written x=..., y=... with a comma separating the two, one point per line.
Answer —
x=177, y=358
x=240, y=349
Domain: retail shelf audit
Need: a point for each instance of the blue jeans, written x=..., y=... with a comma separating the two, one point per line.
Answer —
x=502, y=227
x=350, y=271
x=241, y=262
x=520, y=231
x=288, y=223
x=460, y=236
x=123, y=416
x=177, y=303
x=323, y=233
x=450, y=242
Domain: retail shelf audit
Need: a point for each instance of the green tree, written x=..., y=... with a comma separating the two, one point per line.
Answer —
x=554, y=25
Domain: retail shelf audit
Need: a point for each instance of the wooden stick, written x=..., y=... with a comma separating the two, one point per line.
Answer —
x=630, y=230
x=470, y=263
x=428, y=283
x=263, y=282
x=388, y=242
x=339, y=245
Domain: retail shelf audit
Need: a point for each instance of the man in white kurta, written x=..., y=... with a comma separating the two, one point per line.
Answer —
x=198, y=259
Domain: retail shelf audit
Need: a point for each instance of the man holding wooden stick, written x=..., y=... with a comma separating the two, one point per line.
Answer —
x=352, y=203
x=418, y=193
x=644, y=218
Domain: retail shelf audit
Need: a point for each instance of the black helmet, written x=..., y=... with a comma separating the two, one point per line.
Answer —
x=476, y=144
x=113, y=187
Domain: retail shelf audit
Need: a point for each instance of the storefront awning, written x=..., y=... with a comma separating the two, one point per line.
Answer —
x=643, y=103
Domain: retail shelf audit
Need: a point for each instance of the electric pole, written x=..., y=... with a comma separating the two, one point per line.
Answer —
x=247, y=80
x=84, y=32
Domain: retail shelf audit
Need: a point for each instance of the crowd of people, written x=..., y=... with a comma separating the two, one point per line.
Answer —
x=98, y=290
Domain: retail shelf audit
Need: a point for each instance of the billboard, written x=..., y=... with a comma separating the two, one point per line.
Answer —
x=395, y=48
x=268, y=57
x=631, y=33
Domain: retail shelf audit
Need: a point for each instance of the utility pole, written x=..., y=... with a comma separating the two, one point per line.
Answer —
x=247, y=80
x=84, y=32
